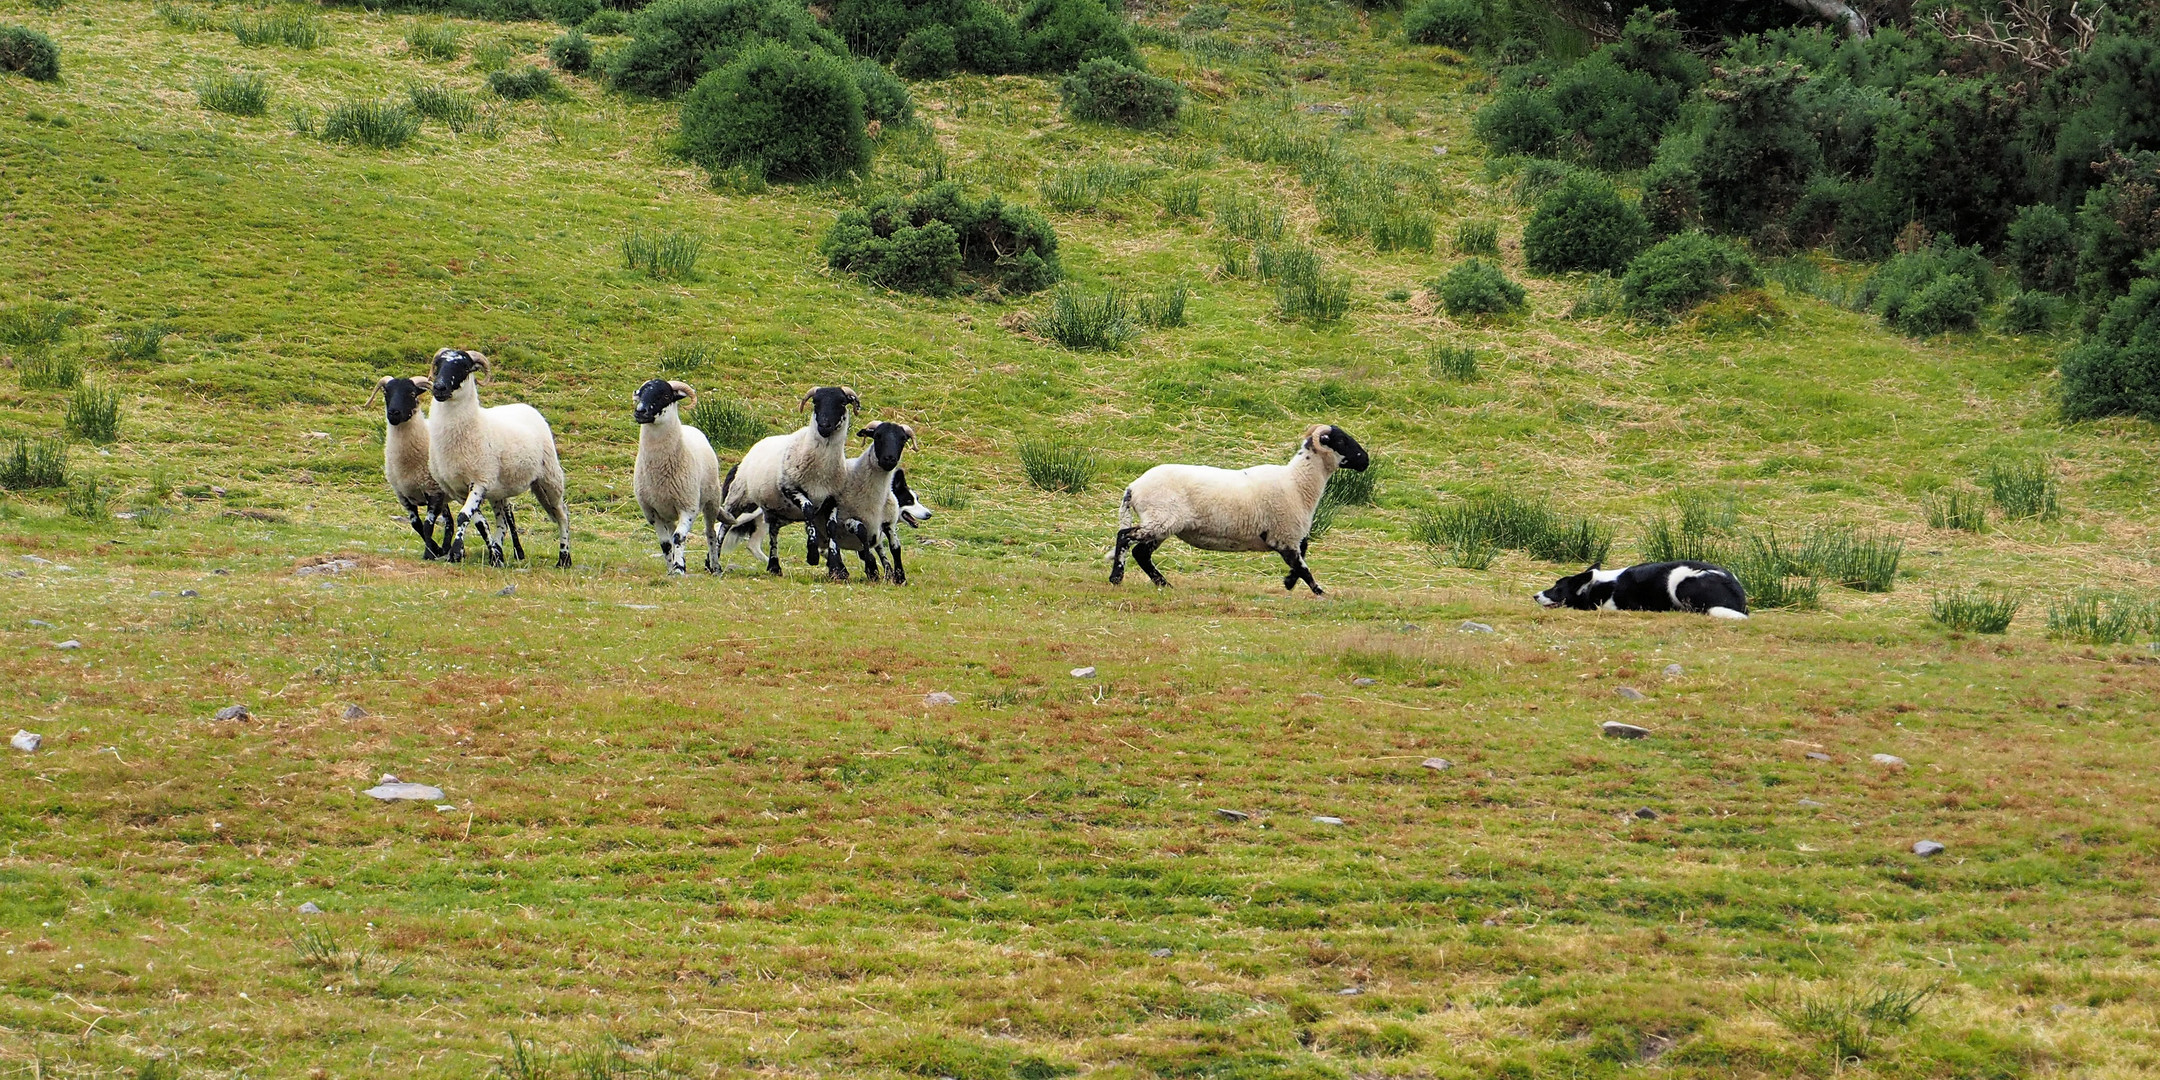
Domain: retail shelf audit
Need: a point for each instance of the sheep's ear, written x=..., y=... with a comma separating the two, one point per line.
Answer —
x=867, y=433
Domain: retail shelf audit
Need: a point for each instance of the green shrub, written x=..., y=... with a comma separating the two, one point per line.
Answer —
x=788, y=114
x=374, y=124
x=2043, y=249
x=885, y=98
x=571, y=52
x=568, y=12
x=1110, y=92
x=93, y=414
x=606, y=21
x=28, y=466
x=1519, y=122
x=1205, y=17
x=493, y=54
x=295, y=28
x=1078, y=320
x=672, y=255
x=1057, y=466
x=2025, y=488
x=2115, y=370
x=526, y=82
x=928, y=53
x=1478, y=287
x=1478, y=238
x=675, y=43
x=242, y=94
x=2033, y=312
x=1973, y=611
x=731, y=425
x=1607, y=110
x=29, y=52
x=1931, y=290
x=435, y=41
x=922, y=242
x=1755, y=155
x=1060, y=35
x=1583, y=225
x=48, y=371
x=1455, y=23
x=1677, y=274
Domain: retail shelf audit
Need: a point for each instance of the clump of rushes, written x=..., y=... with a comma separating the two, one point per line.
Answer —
x=2099, y=617
x=1477, y=237
x=1181, y=198
x=93, y=414
x=237, y=94
x=1973, y=611
x=48, y=371
x=435, y=41
x=298, y=29
x=377, y=125
x=671, y=255
x=1457, y=362
x=1503, y=520
x=1166, y=307
x=689, y=358
x=730, y=425
x=2025, y=487
x=29, y=466
x=1080, y=320
x=443, y=105
x=1955, y=508
x=1057, y=466
x=524, y=83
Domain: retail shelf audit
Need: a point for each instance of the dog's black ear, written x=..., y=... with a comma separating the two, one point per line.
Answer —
x=1598, y=565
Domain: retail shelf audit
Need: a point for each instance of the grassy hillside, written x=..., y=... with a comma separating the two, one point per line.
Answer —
x=712, y=828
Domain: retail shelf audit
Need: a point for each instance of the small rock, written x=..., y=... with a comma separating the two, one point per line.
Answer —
x=1644, y=813
x=1361, y=681
x=234, y=712
x=38, y=560
x=1469, y=627
x=1614, y=729
x=18, y=573
x=158, y=592
x=318, y=434
x=388, y=791
x=1891, y=760
x=70, y=643
x=355, y=712
x=507, y=590
x=1233, y=815
x=41, y=624
x=1323, y=819
x=1927, y=849
x=220, y=571
x=1407, y=628
x=27, y=741
x=1630, y=693
x=1158, y=953
x=1350, y=991
x=1440, y=150
x=188, y=594
x=1674, y=671
x=939, y=697
x=327, y=566
x=445, y=808
x=1083, y=672
x=642, y=607
x=1813, y=805
x=309, y=908
x=1437, y=764
x=1817, y=755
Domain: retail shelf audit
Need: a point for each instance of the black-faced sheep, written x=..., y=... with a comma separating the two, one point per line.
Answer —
x=491, y=455
x=866, y=515
x=1263, y=508
x=405, y=459
x=677, y=475
x=792, y=477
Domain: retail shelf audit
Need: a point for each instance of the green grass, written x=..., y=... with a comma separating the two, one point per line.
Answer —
x=1477, y=237
x=1974, y=611
x=294, y=28
x=1955, y=508
x=435, y=41
x=1491, y=521
x=669, y=256
x=377, y=125
x=444, y=105
x=1456, y=362
x=1054, y=465
x=29, y=465
x=731, y=425
x=711, y=827
x=92, y=414
x=48, y=371
x=1079, y=319
x=2025, y=488
x=2104, y=617
x=238, y=93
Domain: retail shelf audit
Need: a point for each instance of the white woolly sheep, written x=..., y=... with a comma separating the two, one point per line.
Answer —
x=405, y=459
x=1263, y=508
x=491, y=455
x=677, y=474
x=866, y=514
x=792, y=477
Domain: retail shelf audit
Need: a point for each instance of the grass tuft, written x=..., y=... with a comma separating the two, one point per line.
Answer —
x=435, y=41
x=1165, y=308
x=1181, y=197
x=142, y=343
x=2100, y=617
x=94, y=414
x=48, y=371
x=293, y=28
x=1057, y=466
x=89, y=498
x=29, y=466
x=1247, y=217
x=1955, y=508
x=1866, y=562
x=1471, y=529
x=688, y=358
x=1085, y=187
x=444, y=105
x=730, y=424
x=1767, y=571
x=1457, y=362
x=1078, y=320
x=238, y=94
x=378, y=125
x=522, y=84
x=1477, y=237
x=671, y=255
x=1973, y=611
x=2025, y=488
x=35, y=323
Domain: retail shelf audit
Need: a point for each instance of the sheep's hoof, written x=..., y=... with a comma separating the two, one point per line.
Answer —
x=1117, y=577
x=773, y=567
x=1289, y=584
x=562, y=561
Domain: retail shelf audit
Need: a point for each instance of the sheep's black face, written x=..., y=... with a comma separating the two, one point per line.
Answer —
x=452, y=368
x=653, y=398
x=829, y=406
x=401, y=400
x=1353, y=456
x=886, y=442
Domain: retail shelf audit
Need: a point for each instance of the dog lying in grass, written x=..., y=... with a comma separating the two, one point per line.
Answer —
x=1686, y=585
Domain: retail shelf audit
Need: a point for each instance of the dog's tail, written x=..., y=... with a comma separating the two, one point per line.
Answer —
x=1726, y=613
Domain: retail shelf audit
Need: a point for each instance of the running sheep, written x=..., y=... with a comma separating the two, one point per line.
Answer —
x=792, y=477
x=405, y=459
x=491, y=455
x=677, y=475
x=1263, y=508
x=867, y=512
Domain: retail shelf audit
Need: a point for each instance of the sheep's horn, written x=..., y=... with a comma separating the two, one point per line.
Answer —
x=480, y=361
x=379, y=384
x=805, y=402
x=852, y=399
x=688, y=392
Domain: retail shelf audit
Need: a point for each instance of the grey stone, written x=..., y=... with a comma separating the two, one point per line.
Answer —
x=1630, y=693
x=355, y=712
x=70, y=643
x=1614, y=729
x=1469, y=627
x=1083, y=672
x=389, y=792
x=1891, y=760
x=1644, y=813
x=234, y=712
x=1674, y=671
x=1408, y=628
x=41, y=624
x=309, y=908
x=1158, y=953
x=158, y=592
x=939, y=697
x=507, y=590
x=1323, y=819
x=26, y=741
x=389, y=778
x=221, y=571
x=189, y=594
x=1817, y=755
x=1927, y=849
x=1350, y=991
x=1813, y=805
x=327, y=566
x=41, y=561
x=1233, y=815
x=1364, y=682
x=1437, y=764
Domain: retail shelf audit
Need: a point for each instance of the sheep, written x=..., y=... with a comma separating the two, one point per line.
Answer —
x=405, y=459
x=677, y=474
x=1263, y=508
x=867, y=509
x=791, y=477
x=491, y=455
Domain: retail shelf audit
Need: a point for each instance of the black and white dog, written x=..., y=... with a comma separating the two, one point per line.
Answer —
x=1664, y=586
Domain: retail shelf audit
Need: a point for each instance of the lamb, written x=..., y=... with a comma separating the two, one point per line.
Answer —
x=868, y=510
x=792, y=477
x=677, y=474
x=491, y=455
x=405, y=459
x=1263, y=508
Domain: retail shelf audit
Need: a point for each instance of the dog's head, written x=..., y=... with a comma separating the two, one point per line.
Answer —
x=1583, y=592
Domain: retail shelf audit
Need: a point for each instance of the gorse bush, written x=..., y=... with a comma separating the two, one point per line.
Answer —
x=1478, y=287
x=1454, y=23
x=2115, y=370
x=731, y=425
x=1933, y=289
x=928, y=39
x=1607, y=110
x=2025, y=488
x=1057, y=466
x=1973, y=611
x=435, y=41
x=1679, y=273
x=606, y=21
x=788, y=114
x=378, y=125
x=1583, y=224
x=928, y=53
x=294, y=28
x=48, y=371
x=675, y=43
x=29, y=466
x=29, y=52
x=571, y=52
x=2043, y=249
x=885, y=98
x=923, y=242
x=522, y=84
x=240, y=94
x=1081, y=320
x=1060, y=35
x=1112, y=93
x=93, y=414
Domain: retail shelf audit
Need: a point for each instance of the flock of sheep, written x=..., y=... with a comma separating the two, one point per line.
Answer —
x=462, y=454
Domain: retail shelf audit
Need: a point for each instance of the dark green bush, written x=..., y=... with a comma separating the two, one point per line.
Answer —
x=1756, y=155
x=2043, y=249
x=885, y=98
x=674, y=43
x=935, y=37
x=1060, y=35
x=1948, y=150
x=1478, y=287
x=989, y=41
x=1455, y=23
x=572, y=52
x=29, y=52
x=2032, y=312
x=2116, y=369
x=1608, y=110
x=1931, y=290
x=607, y=21
x=928, y=53
x=1684, y=271
x=1583, y=225
x=525, y=82
x=1519, y=122
x=568, y=12
x=1110, y=92
x=923, y=242
x=779, y=111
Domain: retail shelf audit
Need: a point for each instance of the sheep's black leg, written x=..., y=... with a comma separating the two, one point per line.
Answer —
x=835, y=566
x=892, y=544
x=869, y=549
x=427, y=531
x=465, y=515
x=712, y=543
x=1117, y=556
x=509, y=522
x=1143, y=552
x=1298, y=570
x=772, y=545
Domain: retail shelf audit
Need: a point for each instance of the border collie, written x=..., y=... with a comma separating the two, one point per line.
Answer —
x=1667, y=586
